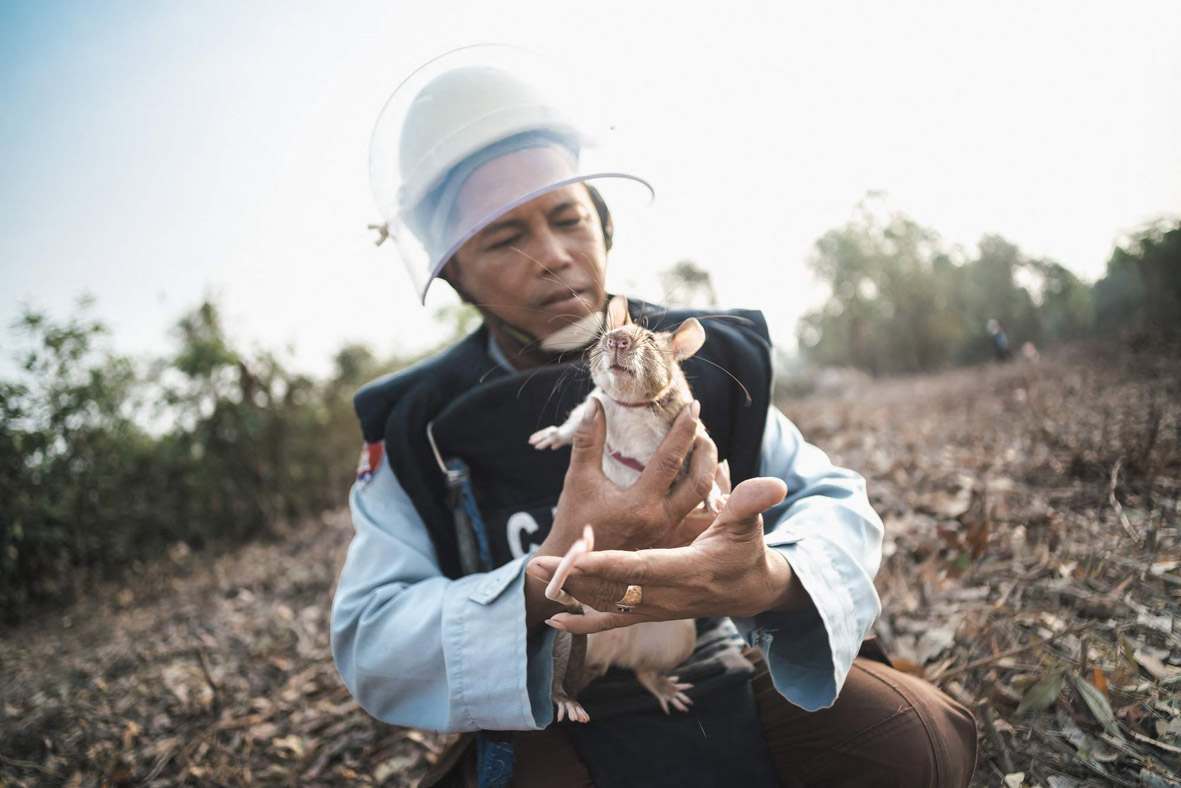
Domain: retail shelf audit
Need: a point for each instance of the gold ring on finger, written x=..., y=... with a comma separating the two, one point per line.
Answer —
x=631, y=597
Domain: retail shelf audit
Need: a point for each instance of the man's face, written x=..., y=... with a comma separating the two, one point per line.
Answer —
x=538, y=267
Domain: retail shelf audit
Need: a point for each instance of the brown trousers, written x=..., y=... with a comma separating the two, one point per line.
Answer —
x=886, y=729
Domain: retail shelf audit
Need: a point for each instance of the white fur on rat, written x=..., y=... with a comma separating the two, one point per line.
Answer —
x=638, y=380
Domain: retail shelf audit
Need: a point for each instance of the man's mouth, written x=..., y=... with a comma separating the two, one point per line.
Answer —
x=566, y=298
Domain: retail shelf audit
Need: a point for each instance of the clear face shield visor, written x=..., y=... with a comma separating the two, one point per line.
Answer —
x=461, y=143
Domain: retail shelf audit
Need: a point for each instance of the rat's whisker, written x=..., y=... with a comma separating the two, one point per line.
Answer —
x=745, y=390
x=723, y=316
x=593, y=268
x=571, y=318
x=573, y=368
x=557, y=279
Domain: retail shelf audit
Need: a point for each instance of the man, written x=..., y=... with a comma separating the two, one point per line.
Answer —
x=440, y=622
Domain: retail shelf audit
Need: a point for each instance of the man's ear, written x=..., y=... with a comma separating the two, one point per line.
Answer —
x=617, y=314
x=688, y=339
x=450, y=274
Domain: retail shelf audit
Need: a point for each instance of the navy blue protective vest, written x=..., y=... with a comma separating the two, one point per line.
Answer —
x=481, y=414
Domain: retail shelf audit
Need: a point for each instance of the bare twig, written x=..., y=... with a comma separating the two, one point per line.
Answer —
x=1154, y=742
x=947, y=674
x=25, y=765
x=214, y=687
x=994, y=736
x=1119, y=509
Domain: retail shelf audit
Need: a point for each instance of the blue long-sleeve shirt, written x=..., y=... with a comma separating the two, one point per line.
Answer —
x=419, y=649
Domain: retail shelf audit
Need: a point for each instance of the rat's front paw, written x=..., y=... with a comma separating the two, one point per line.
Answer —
x=715, y=502
x=548, y=438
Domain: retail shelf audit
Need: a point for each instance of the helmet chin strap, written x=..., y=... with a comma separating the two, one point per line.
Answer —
x=574, y=336
x=571, y=337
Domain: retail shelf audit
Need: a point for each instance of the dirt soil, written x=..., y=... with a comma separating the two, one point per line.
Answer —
x=1032, y=570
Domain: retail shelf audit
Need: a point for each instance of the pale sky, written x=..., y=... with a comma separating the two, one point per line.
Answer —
x=151, y=152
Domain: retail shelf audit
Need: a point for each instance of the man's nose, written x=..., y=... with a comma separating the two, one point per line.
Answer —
x=551, y=253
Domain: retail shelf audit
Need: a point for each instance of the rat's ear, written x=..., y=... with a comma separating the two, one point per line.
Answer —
x=617, y=314
x=688, y=339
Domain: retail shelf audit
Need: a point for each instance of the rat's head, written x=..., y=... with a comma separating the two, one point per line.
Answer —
x=634, y=364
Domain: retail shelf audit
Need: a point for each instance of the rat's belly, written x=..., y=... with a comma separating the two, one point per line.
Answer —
x=656, y=645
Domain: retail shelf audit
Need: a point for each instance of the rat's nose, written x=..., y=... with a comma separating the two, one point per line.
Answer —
x=618, y=342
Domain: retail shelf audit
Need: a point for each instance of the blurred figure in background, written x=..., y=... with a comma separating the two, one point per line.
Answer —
x=1000, y=342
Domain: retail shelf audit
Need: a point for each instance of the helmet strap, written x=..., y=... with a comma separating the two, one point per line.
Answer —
x=525, y=349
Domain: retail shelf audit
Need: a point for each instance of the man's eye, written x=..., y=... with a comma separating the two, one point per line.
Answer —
x=505, y=242
x=572, y=222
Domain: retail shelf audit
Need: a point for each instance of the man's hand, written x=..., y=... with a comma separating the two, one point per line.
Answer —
x=726, y=571
x=652, y=511
x=700, y=518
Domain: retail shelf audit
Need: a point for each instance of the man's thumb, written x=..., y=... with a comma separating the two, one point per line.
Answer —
x=587, y=446
x=750, y=499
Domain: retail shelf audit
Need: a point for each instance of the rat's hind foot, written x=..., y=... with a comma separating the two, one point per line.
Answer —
x=548, y=438
x=669, y=690
x=568, y=708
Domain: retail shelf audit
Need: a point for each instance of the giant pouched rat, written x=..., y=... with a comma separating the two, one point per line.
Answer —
x=642, y=389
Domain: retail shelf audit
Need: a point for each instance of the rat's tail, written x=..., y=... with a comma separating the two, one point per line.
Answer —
x=580, y=548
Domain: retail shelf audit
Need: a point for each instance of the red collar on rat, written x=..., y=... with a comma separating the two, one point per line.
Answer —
x=645, y=403
x=623, y=459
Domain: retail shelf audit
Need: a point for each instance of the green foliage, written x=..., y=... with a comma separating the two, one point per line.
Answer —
x=1142, y=288
x=103, y=464
x=903, y=301
x=896, y=296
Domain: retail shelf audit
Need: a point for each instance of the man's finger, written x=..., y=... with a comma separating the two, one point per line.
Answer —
x=661, y=567
x=586, y=453
x=593, y=621
x=664, y=466
x=690, y=490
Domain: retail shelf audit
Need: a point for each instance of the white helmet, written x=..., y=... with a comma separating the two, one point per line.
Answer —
x=450, y=118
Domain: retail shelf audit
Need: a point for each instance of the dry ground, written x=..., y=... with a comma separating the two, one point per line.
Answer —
x=1031, y=560
x=1032, y=570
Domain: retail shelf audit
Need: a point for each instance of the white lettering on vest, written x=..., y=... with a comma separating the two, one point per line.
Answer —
x=518, y=524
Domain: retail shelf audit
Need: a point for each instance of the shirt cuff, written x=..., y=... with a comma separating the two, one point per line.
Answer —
x=810, y=652
x=500, y=677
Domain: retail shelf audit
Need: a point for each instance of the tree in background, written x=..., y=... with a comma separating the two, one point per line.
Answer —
x=1065, y=304
x=1142, y=288
x=904, y=301
x=988, y=290
x=103, y=463
x=893, y=303
x=67, y=443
